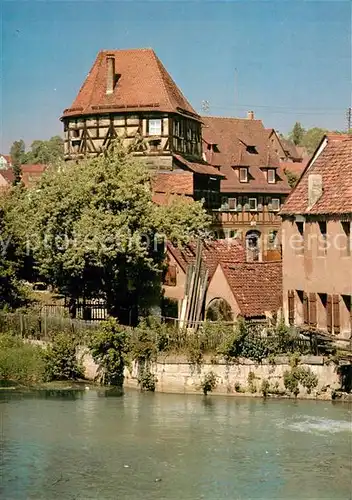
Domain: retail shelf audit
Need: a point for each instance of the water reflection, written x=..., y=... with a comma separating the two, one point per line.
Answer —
x=101, y=444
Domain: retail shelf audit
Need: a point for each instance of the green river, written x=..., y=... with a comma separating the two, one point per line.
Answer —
x=93, y=445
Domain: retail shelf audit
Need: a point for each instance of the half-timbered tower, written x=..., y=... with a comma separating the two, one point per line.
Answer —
x=130, y=95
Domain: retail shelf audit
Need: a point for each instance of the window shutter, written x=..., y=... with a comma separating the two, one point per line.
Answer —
x=291, y=307
x=329, y=313
x=336, y=313
x=312, y=309
x=305, y=309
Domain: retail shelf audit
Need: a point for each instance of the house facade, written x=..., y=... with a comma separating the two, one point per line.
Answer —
x=5, y=161
x=254, y=186
x=317, y=245
x=128, y=94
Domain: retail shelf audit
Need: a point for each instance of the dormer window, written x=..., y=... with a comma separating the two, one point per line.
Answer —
x=243, y=174
x=213, y=147
x=252, y=150
x=271, y=176
x=154, y=127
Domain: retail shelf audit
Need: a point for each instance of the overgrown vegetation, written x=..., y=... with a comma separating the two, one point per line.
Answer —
x=20, y=362
x=208, y=382
x=110, y=347
x=299, y=375
x=60, y=358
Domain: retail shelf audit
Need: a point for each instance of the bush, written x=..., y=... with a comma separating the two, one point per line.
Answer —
x=61, y=359
x=208, y=383
x=265, y=387
x=109, y=347
x=147, y=380
x=299, y=375
x=20, y=362
x=251, y=382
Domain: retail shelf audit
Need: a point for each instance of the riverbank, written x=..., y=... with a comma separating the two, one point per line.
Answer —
x=175, y=374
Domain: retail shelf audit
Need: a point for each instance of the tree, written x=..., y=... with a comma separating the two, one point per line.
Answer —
x=17, y=153
x=297, y=134
x=11, y=260
x=46, y=152
x=96, y=231
x=312, y=138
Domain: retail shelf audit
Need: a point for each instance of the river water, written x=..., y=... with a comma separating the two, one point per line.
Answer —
x=87, y=445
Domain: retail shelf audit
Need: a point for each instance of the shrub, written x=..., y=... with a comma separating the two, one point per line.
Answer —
x=208, y=383
x=147, y=380
x=251, y=382
x=61, y=359
x=291, y=382
x=19, y=361
x=109, y=347
x=265, y=387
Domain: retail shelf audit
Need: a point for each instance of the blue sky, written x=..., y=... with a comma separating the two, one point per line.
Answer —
x=286, y=60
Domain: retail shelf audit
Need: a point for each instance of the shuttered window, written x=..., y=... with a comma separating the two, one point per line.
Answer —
x=291, y=307
x=312, y=309
x=305, y=309
x=329, y=313
x=170, y=276
x=336, y=313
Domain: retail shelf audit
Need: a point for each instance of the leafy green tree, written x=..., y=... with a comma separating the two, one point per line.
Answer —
x=12, y=293
x=292, y=178
x=96, y=228
x=46, y=152
x=18, y=154
x=297, y=134
x=312, y=138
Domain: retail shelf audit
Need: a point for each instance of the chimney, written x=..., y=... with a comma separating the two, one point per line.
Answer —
x=250, y=115
x=315, y=189
x=110, y=75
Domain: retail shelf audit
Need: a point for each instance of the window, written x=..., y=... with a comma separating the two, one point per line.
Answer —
x=170, y=276
x=154, y=127
x=232, y=203
x=252, y=203
x=346, y=226
x=271, y=176
x=252, y=150
x=299, y=245
x=322, y=243
x=275, y=204
x=243, y=175
x=224, y=202
x=75, y=133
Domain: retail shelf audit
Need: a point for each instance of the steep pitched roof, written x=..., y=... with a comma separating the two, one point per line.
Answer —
x=334, y=164
x=235, y=138
x=142, y=84
x=173, y=183
x=8, y=175
x=257, y=287
x=296, y=167
x=198, y=167
x=31, y=173
x=213, y=252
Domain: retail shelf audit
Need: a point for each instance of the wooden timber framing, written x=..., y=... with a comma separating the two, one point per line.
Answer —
x=90, y=135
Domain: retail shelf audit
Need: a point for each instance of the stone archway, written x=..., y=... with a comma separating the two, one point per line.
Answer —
x=253, y=245
x=219, y=310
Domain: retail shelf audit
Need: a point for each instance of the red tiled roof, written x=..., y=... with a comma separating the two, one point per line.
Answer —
x=143, y=84
x=257, y=287
x=33, y=168
x=334, y=164
x=7, y=158
x=213, y=252
x=232, y=136
x=8, y=175
x=296, y=167
x=173, y=183
x=197, y=167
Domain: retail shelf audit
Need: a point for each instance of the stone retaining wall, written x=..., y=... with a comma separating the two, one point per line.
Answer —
x=176, y=374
